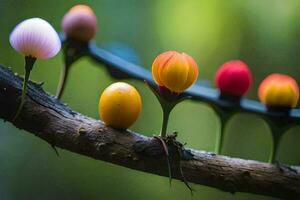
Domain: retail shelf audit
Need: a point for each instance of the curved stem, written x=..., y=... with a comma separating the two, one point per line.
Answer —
x=62, y=81
x=166, y=150
x=29, y=61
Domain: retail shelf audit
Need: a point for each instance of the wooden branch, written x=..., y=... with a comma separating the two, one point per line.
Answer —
x=51, y=120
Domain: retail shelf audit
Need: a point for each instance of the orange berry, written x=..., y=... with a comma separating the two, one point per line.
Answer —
x=279, y=90
x=120, y=105
x=175, y=71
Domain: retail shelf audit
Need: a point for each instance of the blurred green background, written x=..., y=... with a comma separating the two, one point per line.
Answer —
x=265, y=34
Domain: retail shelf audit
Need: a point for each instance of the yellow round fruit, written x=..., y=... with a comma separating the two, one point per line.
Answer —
x=120, y=105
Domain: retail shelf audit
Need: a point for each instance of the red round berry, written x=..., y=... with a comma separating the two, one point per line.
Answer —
x=234, y=78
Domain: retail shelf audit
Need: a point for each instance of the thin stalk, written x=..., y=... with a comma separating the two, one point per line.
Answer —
x=165, y=147
x=29, y=61
x=219, y=140
x=220, y=137
x=274, y=148
x=164, y=127
x=62, y=82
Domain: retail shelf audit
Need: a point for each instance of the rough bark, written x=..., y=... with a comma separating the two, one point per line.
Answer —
x=51, y=120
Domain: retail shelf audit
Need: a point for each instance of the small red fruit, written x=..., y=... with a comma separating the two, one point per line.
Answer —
x=234, y=78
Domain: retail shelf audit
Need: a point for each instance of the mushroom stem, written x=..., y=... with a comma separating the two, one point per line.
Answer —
x=29, y=62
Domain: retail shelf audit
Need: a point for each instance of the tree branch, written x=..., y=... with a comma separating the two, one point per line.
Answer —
x=49, y=119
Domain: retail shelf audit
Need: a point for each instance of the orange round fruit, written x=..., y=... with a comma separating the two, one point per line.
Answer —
x=279, y=90
x=175, y=71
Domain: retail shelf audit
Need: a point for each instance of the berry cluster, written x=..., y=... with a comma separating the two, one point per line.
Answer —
x=173, y=72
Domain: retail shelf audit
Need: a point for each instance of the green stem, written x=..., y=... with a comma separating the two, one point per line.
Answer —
x=219, y=141
x=29, y=61
x=166, y=114
x=274, y=148
x=62, y=81
x=220, y=137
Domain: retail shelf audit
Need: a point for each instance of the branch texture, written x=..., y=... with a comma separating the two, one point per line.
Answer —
x=49, y=119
